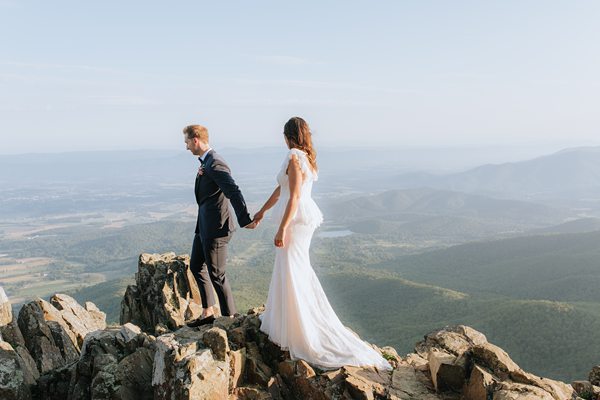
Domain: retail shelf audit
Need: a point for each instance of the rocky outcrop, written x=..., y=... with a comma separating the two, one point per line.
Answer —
x=594, y=376
x=54, y=331
x=192, y=364
x=165, y=294
x=115, y=363
x=461, y=359
x=9, y=329
x=18, y=371
x=5, y=309
x=13, y=380
x=589, y=389
x=67, y=353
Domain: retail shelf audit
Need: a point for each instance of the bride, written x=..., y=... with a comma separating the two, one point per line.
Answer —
x=298, y=316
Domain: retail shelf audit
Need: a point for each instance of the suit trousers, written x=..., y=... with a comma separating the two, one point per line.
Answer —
x=207, y=264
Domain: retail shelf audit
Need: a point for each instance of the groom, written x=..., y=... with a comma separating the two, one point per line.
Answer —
x=215, y=191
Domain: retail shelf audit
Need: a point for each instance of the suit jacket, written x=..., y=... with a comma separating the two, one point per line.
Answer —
x=215, y=190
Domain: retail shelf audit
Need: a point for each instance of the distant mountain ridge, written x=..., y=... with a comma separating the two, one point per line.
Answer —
x=426, y=211
x=440, y=202
x=569, y=173
x=578, y=225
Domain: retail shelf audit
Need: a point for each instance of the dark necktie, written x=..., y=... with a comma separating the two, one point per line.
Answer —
x=201, y=168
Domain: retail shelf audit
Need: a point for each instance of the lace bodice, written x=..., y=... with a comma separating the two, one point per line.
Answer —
x=308, y=212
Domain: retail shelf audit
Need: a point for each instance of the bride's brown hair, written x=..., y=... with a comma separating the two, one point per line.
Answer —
x=298, y=135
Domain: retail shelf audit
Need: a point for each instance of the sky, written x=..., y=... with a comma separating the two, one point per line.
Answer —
x=130, y=75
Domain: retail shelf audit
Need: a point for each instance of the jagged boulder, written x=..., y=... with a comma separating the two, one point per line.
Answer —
x=165, y=294
x=54, y=332
x=55, y=384
x=448, y=372
x=191, y=364
x=409, y=383
x=6, y=316
x=586, y=390
x=9, y=329
x=79, y=320
x=455, y=340
x=115, y=363
x=589, y=389
x=594, y=376
x=18, y=371
x=12, y=334
x=485, y=370
x=14, y=383
x=41, y=340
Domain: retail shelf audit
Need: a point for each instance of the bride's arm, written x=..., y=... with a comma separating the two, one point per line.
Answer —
x=295, y=178
x=271, y=201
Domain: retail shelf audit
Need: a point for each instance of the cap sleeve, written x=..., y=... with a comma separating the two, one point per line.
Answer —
x=302, y=160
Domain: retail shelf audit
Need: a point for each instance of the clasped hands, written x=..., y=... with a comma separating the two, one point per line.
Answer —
x=255, y=221
x=279, y=239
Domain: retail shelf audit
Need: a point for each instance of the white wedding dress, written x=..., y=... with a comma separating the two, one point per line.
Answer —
x=298, y=316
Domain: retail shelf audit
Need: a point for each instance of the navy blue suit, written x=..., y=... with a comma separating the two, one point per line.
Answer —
x=215, y=190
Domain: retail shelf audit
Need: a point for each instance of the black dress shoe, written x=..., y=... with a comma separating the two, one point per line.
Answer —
x=201, y=321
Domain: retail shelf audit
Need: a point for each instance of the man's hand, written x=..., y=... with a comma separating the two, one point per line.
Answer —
x=251, y=225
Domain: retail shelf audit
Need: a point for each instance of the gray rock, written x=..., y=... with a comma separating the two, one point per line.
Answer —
x=38, y=335
x=79, y=321
x=452, y=339
x=446, y=372
x=216, y=339
x=185, y=369
x=594, y=376
x=129, y=332
x=480, y=385
x=64, y=342
x=12, y=334
x=250, y=393
x=13, y=385
x=584, y=389
x=257, y=372
x=98, y=317
x=165, y=293
x=53, y=333
x=367, y=383
x=410, y=384
x=54, y=385
x=115, y=363
x=237, y=366
x=278, y=389
x=6, y=316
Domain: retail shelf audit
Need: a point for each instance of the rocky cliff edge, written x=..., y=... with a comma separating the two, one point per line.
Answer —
x=61, y=350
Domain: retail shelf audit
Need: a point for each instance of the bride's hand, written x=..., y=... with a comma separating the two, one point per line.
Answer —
x=279, y=240
x=258, y=217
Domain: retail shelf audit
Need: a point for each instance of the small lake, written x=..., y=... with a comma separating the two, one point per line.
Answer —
x=334, y=234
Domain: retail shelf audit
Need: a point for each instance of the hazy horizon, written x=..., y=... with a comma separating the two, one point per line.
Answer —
x=528, y=149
